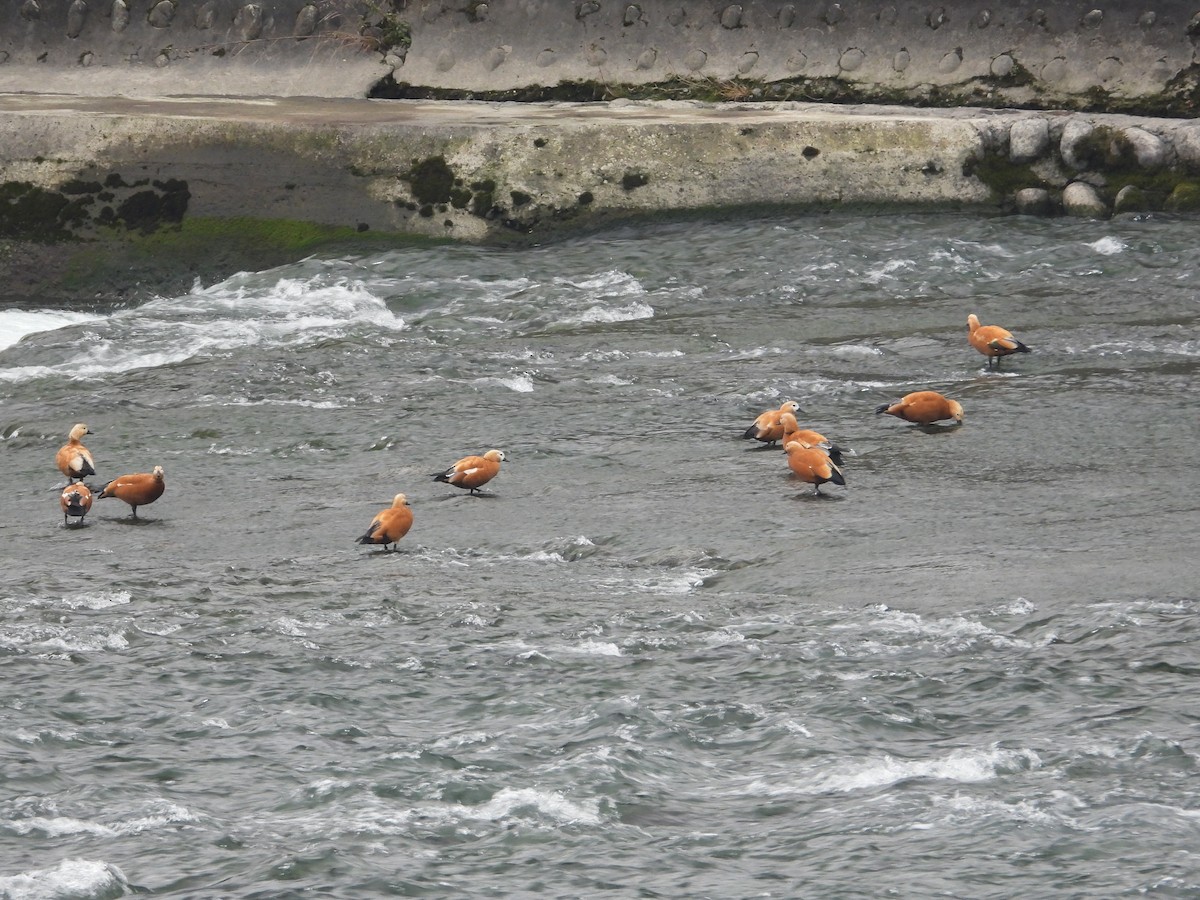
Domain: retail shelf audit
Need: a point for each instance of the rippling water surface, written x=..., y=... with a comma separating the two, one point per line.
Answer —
x=647, y=662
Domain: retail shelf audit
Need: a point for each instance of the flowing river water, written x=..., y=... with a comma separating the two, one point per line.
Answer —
x=646, y=662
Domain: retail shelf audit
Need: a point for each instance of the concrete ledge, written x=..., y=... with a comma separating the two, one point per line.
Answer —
x=201, y=186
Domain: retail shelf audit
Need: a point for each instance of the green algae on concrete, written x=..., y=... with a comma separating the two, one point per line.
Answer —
x=170, y=260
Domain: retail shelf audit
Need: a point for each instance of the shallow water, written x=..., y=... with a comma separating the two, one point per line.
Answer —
x=647, y=662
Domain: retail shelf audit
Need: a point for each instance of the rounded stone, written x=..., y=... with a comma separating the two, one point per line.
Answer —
x=901, y=60
x=633, y=15
x=445, y=61
x=676, y=16
x=647, y=58
x=1147, y=19
x=1055, y=70
x=120, y=15
x=1185, y=198
x=1161, y=71
x=86, y=58
x=1187, y=146
x=393, y=61
x=1148, y=148
x=1109, y=69
x=587, y=8
x=76, y=17
x=983, y=18
x=1038, y=18
x=747, y=62
x=1033, y=202
x=887, y=16
x=206, y=15
x=545, y=58
x=1028, y=139
x=695, y=60
x=495, y=58
x=162, y=60
x=731, y=16
x=306, y=21
x=1081, y=199
x=951, y=61
x=597, y=56
x=249, y=21
x=1070, y=148
x=31, y=10
x=787, y=15
x=937, y=18
x=161, y=14
x=798, y=61
x=1092, y=18
x=480, y=12
x=851, y=60
x=833, y=14
x=1002, y=65
x=1130, y=199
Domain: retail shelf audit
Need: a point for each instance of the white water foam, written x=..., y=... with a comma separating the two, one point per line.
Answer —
x=1108, y=246
x=159, y=815
x=608, y=314
x=900, y=630
x=86, y=879
x=553, y=805
x=521, y=383
x=56, y=640
x=851, y=775
x=207, y=322
x=16, y=323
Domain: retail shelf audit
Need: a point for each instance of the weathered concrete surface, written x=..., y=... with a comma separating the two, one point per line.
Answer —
x=1100, y=54
x=191, y=137
x=204, y=186
x=123, y=171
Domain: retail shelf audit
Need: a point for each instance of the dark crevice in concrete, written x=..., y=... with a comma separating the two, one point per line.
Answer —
x=1180, y=99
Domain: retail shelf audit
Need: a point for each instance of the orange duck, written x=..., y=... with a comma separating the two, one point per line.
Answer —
x=472, y=472
x=136, y=490
x=73, y=459
x=390, y=525
x=992, y=341
x=767, y=427
x=813, y=465
x=75, y=500
x=924, y=408
x=793, y=432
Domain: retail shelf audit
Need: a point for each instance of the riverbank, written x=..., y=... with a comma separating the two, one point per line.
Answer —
x=103, y=198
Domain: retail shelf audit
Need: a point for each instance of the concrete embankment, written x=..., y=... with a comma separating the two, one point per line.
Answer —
x=147, y=143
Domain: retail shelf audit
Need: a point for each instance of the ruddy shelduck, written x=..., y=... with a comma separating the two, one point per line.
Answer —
x=75, y=500
x=812, y=464
x=73, y=459
x=924, y=408
x=793, y=432
x=390, y=525
x=992, y=341
x=472, y=472
x=136, y=490
x=767, y=427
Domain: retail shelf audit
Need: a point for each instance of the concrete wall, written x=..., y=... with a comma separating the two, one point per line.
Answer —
x=1101, y=54
x=147, y=142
